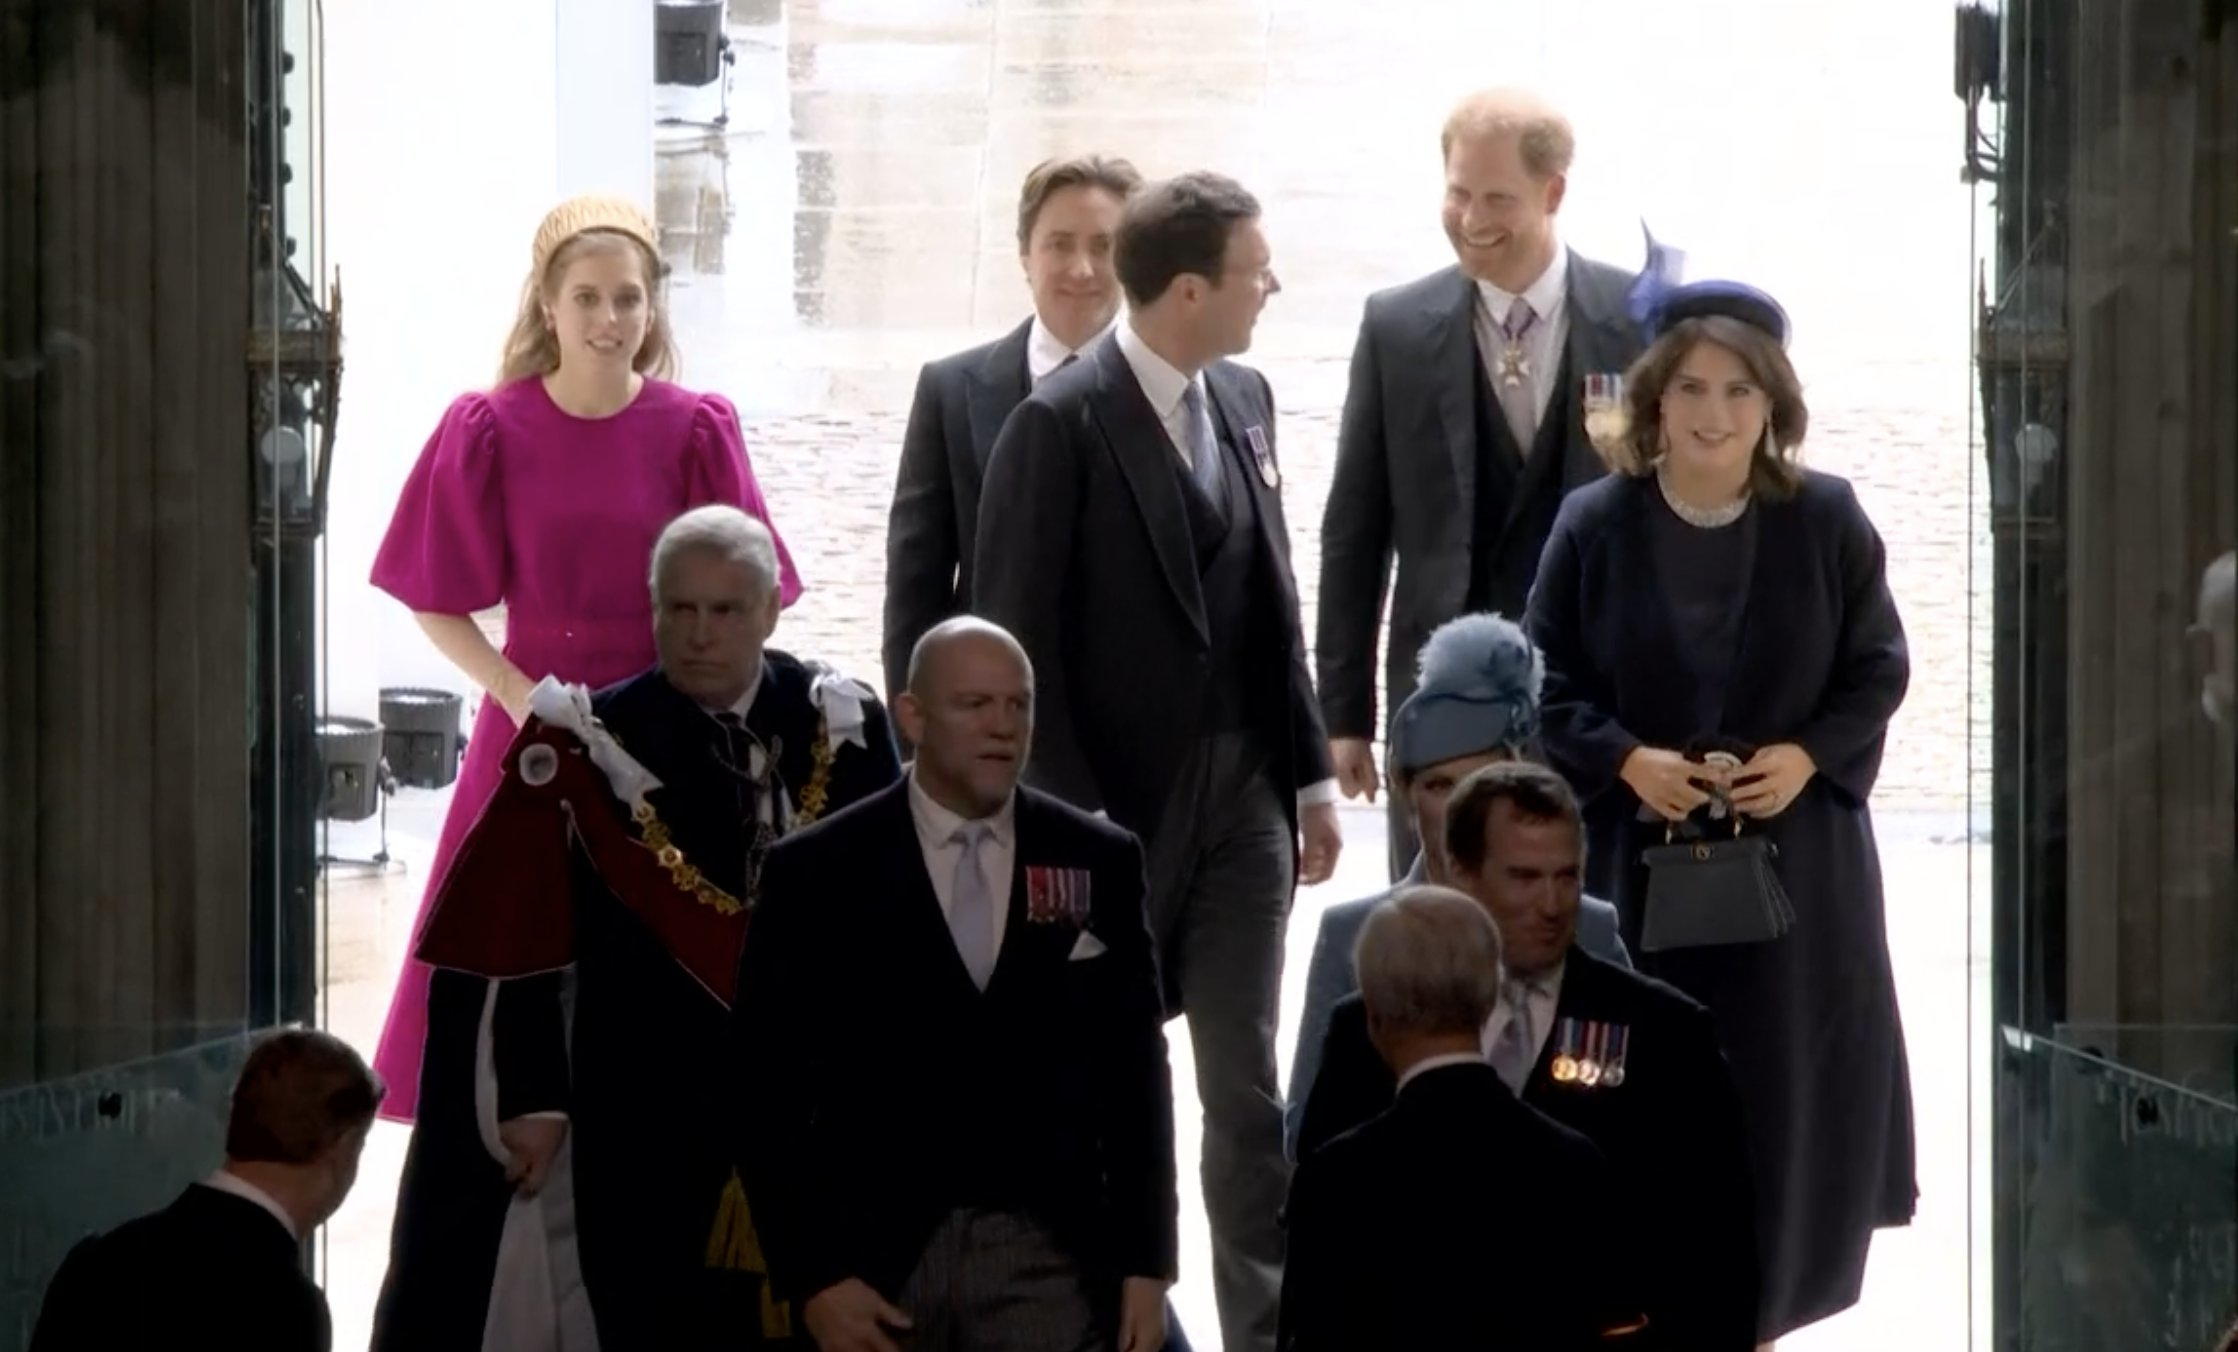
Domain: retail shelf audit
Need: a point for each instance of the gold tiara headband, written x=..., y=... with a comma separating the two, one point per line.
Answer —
x=593, y=211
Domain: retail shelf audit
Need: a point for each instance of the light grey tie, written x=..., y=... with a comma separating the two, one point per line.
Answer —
x=1520, y=401
x=971, y=905
x=1204, y=447
x=1516, y=1050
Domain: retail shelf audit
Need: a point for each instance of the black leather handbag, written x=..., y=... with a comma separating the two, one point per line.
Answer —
x=1713, y=891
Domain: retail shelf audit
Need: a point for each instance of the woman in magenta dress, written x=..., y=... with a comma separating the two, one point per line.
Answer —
x=546, y=493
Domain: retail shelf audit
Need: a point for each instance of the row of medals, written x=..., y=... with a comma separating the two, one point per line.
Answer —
x=1589, y=1054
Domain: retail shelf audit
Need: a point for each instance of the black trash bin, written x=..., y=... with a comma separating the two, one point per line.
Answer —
x=423, y=736
x=350, y=751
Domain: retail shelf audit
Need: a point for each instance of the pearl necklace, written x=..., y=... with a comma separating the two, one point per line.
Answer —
x=1704, y=518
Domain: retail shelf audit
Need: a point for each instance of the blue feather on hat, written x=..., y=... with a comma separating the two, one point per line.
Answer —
x=1485, y=659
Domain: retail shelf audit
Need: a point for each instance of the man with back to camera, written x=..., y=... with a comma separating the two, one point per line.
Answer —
x=1068, y=218
x=1463, y=421
x=1625, y=1060
x=1131, y=534
x=1455, y=1220
x=223, y=1265
x=954, y=983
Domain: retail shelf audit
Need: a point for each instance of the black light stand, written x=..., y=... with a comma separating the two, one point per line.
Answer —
x=294, y=363
x=692, y=49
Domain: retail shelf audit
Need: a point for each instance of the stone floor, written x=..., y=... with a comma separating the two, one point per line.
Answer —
x=854, y=219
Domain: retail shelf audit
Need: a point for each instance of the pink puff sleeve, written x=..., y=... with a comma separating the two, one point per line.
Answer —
x=445, y=550
x=717, y=469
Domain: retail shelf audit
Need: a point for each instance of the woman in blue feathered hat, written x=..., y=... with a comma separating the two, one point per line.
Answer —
x=1476, y=701
x=1723, y=659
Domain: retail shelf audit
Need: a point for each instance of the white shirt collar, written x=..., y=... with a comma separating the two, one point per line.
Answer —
x=936, y=825
x=1546, y=294
x=1430, y=1063
x=228, y=1182
x=1161, y=381
x=1045, y=352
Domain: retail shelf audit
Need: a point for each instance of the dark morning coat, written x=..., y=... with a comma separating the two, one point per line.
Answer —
x=210, y=1270
x=908, y=1092
x=1455, y=1221
x=1084, y=552
x=1671, y=1133
x=1430, y=497
x=640, y=1076
x=1809, y=1021
x=960, y=405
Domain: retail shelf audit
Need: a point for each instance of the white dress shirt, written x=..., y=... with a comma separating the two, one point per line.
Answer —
x=242, y=1188
x=1545, y=993
x=1164, y=385
x=1045, y=351
x=1542, y=345
x=936, y=832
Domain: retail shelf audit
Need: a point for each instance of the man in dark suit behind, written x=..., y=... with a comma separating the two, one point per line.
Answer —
x=1068, y=217
x=223, y=1265
x=1131, y=534
x=965, y=1134
x=1464, y=421
x=1459, y=1218
x=1628, y=1062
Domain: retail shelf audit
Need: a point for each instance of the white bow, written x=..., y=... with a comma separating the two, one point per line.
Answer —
x=840, y=699
x=569, y=707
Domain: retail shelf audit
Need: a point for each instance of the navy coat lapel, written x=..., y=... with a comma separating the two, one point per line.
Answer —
x=997, y=386
x=1779, y=544
x=1145, y=454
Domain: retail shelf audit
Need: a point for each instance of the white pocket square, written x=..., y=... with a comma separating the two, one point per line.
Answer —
x=1087, y=946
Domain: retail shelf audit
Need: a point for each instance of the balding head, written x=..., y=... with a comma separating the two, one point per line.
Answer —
x=952, y=635
x=969, y=712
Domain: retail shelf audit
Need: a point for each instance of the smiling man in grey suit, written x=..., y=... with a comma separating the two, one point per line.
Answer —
x=1131, y=535
x=1068, y=219
x=1464, y=421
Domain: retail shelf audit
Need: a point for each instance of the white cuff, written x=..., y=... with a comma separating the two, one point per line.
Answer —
x=1314, y=795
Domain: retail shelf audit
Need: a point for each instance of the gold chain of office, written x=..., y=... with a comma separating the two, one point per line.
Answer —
x=654, y=836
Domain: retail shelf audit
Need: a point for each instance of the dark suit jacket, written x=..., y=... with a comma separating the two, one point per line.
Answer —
x=1457, y=1220
x=210, y=1270
x=1084, y=553
x=960, y=405
x=908, y=1092
x=1672, y=1133
x=1404, y=489
x=1330, y=977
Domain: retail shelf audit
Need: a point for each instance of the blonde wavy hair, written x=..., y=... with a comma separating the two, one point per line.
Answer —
x=574, y=230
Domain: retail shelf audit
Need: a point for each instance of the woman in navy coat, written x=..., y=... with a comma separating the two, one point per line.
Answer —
x=1712, y=593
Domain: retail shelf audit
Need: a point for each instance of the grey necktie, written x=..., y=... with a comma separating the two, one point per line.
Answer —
x=1204, y=447
x=1516, y=1050
x=1519, y=400
x=971, y=905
